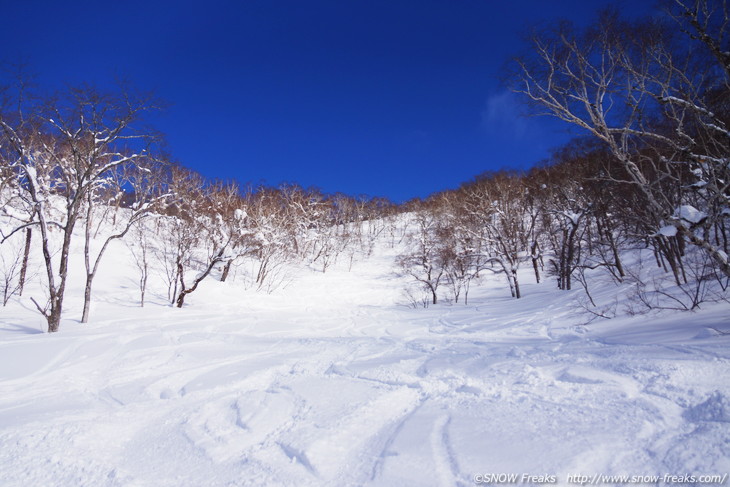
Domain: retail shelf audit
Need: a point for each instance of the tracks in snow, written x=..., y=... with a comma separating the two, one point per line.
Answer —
x=427, y=406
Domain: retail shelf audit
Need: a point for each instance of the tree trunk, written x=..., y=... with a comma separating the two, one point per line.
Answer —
x=54, y=317
x=616, y=257
x=87, y=257
x=87, y=299
x=718, y=256
x=226, y=270
x=563, y=257
x=142, y=287
x=183, y=291
x=24, y=266
x=568, y=269
x=666, y=251
x=181, y=298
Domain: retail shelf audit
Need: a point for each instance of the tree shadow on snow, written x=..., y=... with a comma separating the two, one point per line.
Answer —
x=22, y=329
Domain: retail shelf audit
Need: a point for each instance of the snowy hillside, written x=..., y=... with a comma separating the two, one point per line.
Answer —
x=335, y=381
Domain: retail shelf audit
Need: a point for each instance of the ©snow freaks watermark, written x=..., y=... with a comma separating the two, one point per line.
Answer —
x=514, y=478
x=599, y=479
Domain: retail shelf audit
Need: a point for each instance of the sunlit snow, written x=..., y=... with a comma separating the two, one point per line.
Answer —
x=334, y=381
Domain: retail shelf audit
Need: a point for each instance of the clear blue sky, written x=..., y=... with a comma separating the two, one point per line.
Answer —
x=387, y=98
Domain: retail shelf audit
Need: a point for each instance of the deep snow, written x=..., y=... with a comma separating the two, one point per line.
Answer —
x=333, y=381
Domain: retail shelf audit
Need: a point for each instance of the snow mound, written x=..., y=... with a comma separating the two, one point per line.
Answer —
x=690, y=214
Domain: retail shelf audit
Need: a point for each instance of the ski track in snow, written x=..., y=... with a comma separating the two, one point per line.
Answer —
x=332, y=383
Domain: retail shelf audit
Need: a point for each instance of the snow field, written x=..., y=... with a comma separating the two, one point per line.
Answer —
x=333, y=381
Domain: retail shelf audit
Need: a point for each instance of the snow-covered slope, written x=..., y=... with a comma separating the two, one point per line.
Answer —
x=333, y=381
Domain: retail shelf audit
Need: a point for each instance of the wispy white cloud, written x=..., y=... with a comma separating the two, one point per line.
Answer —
x=504, y=114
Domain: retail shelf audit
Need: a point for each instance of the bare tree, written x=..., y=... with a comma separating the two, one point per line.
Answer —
x=650, y=98
x=141, y=249
x=423, y=260
x=199, y=234
x=273, y=237
x=60, y=152
x=235, y=224
x=18, y=214
x=12, y=267
x=111, y=210
x=494, y=214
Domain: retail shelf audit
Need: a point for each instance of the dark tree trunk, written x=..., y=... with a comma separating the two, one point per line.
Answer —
x=434, y=296
x=226, y=270
x=185, y=291
x=24, y=266
x=54, y=316
x=563, y=258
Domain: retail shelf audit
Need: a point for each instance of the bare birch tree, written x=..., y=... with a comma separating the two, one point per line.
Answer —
x=60, y=151
x=650, y=97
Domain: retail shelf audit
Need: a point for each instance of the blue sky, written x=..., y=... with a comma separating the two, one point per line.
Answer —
x=386, y=98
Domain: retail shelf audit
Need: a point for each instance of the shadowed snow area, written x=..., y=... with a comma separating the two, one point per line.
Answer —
x=332, y=381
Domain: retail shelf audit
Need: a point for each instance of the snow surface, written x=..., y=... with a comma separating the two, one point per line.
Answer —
x=332, y=381
x=689, y=213
x=668, y=231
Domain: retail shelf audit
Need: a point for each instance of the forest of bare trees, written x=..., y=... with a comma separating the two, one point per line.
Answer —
x=651, y=172
x=80, y=168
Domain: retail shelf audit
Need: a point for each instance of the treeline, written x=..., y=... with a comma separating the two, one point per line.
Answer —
x=564, y=220
x=653, y=97
x=81, y=167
